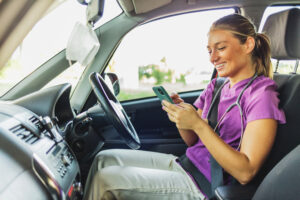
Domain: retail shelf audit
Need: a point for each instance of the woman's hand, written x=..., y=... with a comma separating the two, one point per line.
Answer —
x=188, y=136
x=184, y=115
x=176, y=98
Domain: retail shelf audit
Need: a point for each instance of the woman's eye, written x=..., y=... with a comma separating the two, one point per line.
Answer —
x=221, y=48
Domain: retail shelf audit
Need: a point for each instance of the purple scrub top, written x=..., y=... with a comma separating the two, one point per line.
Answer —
x=259, y=101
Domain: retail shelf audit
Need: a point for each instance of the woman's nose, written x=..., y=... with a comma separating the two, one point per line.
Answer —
x=214, y=56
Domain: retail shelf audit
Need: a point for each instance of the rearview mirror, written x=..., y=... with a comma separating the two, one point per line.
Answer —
x=94, y=9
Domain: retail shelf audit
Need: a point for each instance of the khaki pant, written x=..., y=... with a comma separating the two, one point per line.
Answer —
x=136, y=175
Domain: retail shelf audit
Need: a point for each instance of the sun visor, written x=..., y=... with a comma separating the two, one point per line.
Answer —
x=142, y=6
x=83, y=44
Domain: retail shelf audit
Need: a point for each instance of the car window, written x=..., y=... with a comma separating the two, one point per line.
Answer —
x=170, y=52
x=284, y=66
x=48, y=37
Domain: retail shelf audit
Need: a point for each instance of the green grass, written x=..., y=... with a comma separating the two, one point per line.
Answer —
x=123, y=96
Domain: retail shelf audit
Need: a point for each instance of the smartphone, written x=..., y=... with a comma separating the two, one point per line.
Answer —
x=162, y=94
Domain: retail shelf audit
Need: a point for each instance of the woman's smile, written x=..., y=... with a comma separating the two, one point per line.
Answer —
x=220, y=66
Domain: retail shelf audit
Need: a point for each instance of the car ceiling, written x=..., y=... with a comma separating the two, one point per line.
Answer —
x=136, y=7
x=251, y=8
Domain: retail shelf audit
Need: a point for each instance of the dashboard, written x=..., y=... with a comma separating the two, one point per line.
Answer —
x=36, y=161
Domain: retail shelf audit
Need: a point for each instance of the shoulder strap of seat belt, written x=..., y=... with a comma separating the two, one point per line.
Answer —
x=200, y=179
x=212, y=116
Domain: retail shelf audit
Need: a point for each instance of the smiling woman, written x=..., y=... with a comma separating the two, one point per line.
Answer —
x=219, y=154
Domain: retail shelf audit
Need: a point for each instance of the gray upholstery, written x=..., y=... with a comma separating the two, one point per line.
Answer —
x=279, y=27
x=283, y=28
x=283, y=181
x=288, y=136
x=285, y=31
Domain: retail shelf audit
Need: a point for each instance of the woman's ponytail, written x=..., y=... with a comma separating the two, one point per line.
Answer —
x=262, y=55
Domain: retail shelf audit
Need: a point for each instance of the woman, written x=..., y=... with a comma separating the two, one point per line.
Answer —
x=241, y=55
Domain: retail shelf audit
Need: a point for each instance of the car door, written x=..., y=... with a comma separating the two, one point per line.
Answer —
x=170, y=52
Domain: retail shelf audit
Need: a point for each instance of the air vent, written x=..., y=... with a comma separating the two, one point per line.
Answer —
x=24, y=134
x=36, y=122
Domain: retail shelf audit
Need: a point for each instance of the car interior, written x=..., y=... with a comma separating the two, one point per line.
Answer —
x=50, y=134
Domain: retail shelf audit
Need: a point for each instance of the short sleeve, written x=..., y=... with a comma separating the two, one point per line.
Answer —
x=263, y=104
x=204, y=100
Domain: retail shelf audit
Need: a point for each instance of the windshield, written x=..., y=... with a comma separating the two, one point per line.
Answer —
x=48, y=37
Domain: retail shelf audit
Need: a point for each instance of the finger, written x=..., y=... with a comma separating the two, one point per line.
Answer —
x=176, y=98
x=180, y=100
x=169, y=110
x=187, y=106
x=166, y=104
x=172, y=107
x=172, y=118
x=174, y=95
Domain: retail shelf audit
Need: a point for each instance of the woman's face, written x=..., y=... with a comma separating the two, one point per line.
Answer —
x=228, y=55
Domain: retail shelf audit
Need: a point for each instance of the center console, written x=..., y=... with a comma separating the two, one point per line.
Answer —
x=36, y=162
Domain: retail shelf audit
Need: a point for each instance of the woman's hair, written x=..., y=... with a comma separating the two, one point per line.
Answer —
x=242, y=28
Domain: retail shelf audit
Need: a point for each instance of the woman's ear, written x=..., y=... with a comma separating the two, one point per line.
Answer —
x=249, y=44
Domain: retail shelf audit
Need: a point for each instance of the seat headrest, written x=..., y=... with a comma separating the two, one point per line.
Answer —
x=283, y=28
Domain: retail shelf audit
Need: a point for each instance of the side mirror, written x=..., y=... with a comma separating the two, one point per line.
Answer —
x=113, y=78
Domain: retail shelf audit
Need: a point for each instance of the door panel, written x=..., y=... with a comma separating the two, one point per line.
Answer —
x=156, y=131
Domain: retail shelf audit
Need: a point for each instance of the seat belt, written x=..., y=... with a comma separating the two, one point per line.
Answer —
x=187, y=165
x=216, y=171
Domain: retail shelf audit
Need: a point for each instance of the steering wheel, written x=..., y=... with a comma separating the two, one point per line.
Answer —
x=114, y=111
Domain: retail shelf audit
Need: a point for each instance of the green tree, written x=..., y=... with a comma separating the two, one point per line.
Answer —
x=181, y=79
x=156, y=72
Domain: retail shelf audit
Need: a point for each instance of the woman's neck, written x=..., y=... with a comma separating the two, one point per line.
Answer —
x=245, y=74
